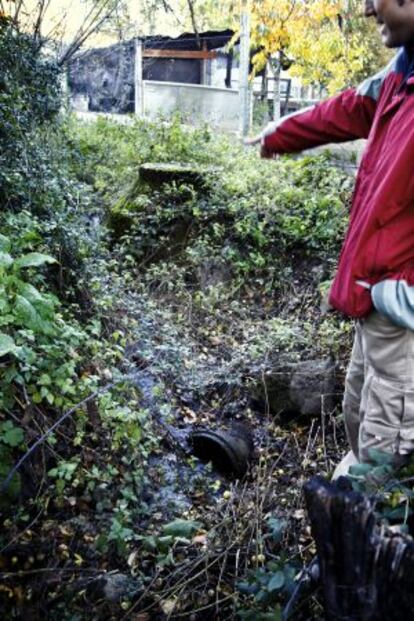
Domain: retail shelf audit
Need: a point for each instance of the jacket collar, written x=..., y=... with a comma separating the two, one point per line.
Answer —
x=405, y=64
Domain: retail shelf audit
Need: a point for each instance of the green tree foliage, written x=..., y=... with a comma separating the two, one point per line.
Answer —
x=29, y=96
x=329, y=43
x=51, y=350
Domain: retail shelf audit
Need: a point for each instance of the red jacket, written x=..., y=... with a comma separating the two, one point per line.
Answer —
x=379, y=242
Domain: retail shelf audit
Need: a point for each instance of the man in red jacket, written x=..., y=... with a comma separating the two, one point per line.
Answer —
x=374, y=282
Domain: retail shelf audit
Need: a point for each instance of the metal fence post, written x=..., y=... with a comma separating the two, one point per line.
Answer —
x=138, y=81
x=244, y=90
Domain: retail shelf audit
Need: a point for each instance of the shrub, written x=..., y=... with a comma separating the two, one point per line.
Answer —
x=29, y=96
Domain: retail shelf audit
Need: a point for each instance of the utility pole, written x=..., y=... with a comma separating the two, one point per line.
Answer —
x=138, y=81
x=277, y=70
x=244, y=90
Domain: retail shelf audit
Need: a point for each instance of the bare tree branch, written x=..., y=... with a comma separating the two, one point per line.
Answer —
x=167, y=7
x=98, y=12
x=190, y=4
x=92, y=24
x=37, y=30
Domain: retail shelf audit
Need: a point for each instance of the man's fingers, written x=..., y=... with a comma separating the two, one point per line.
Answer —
x=252, y=141
x=265, y=152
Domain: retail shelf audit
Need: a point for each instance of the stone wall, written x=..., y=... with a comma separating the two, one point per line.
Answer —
x=199, y=104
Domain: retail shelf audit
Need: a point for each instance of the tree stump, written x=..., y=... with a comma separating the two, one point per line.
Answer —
x=155, y=174
x=189, y=178
x=365, y=575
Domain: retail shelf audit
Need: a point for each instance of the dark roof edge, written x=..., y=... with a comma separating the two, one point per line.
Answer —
x=212, y=39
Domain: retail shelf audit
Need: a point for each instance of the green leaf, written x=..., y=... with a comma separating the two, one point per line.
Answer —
x=45, y=380
x=7, y=345
x=277, y=528
x=360, y=470
x=276, y=582
x=248, y=588
x=164, y=543
x=34, y=259
x=149, y=543
x=381, y=473
x=14, y=437
x=181, y=528
x=11, y=435
x=380, y=458
x=5, y=259
x=27, y=314
x=5, y=243
x=30, y=293
x=262, y=597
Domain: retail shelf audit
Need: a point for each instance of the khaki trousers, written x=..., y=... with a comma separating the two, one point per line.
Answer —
x=378, y=402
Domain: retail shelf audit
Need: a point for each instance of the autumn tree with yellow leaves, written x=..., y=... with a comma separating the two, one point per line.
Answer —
x=329, y=43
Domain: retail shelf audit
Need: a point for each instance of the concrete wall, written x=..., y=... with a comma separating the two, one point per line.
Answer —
x=216, y=106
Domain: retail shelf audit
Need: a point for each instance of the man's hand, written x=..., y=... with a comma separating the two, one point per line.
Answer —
x=264, y=152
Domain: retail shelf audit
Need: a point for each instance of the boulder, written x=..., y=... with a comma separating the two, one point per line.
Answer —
x=157, y=173
x=189, y=178
x=307, y=387
x=117, y=586
x=313, y=388
x=212, y=273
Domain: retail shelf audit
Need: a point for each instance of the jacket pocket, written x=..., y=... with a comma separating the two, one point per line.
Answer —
x=390, y=247
x=384, y=409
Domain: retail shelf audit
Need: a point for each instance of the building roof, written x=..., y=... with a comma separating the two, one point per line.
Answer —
x=189, y=41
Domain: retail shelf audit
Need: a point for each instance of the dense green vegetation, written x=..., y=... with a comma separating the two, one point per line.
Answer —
x=55, y=349
x=141, y=309
x=75, y=295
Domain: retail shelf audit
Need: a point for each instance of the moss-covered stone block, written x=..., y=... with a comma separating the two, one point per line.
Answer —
x=151, y=178
x=156, y=174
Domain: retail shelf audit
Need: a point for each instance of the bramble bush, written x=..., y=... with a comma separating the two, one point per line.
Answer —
x=29, y=97
x=251, y=215
x=54, y=351
x=250, y=228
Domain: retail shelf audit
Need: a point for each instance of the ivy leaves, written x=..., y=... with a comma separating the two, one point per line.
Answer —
x=33, y=259
x=10, y=434
x=7, y=345
x=21, y=303
x=34, y=337
x=29, y=95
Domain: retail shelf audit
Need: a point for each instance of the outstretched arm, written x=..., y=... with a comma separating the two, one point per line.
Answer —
x=347, y=116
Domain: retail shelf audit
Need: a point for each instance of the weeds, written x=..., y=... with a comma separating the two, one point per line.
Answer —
x=196, y=296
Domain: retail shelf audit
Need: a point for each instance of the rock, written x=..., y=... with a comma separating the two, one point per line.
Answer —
x=306, y=387
x=133, y=205
x=212, y=273
x=157, y=173
x=313, y=387
x=118, y=586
